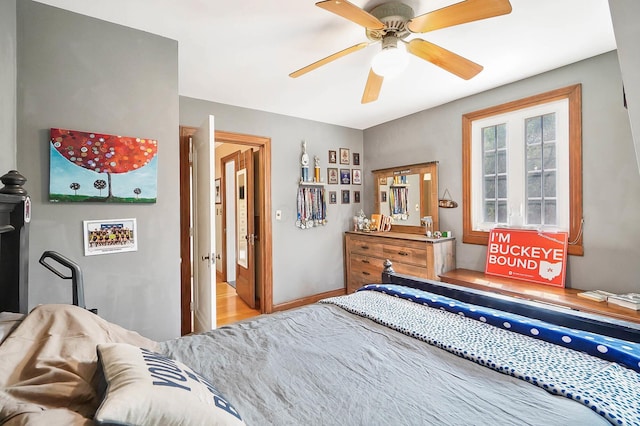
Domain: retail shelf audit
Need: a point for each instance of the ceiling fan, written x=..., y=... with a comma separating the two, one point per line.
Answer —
x=391, y=23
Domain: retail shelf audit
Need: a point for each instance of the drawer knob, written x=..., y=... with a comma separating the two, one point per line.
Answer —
x=364, y=247
x=365, y=261
x=403, y=253
x=365, y=273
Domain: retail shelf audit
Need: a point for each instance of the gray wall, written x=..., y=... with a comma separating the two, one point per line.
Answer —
x=80, y=73
x=7, y=85
x=305, y=262
x=611, y=183
x=624, y=14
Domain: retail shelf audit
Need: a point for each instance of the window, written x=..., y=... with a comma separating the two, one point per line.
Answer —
x=522, y=166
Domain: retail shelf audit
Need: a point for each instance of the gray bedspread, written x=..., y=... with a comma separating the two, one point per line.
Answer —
x=320, y=365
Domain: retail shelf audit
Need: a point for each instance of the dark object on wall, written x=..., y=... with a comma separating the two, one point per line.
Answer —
x=446, y=202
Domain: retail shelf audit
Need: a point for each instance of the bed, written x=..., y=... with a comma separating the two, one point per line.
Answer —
x=401, y=351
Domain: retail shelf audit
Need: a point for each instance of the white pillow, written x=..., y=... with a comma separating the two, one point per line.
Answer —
x=145, y=388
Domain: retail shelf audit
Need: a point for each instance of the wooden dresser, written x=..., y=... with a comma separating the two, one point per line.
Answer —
x=411, y=254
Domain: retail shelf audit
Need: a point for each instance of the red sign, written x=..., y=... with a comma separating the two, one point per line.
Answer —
x=528, y=255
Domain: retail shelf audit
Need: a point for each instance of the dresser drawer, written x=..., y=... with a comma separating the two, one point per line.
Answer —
x=365, y=246
x=414, y=255
x=413, y=270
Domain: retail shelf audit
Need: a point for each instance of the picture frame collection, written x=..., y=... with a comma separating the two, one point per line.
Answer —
x=343, y=175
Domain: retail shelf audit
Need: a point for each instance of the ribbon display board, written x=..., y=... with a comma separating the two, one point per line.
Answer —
x=528, y=255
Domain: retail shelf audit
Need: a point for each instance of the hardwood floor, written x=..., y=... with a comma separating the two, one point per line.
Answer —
x=230, y=308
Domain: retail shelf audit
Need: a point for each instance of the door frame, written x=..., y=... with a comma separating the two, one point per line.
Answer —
x=265, y=261
x=235, y=156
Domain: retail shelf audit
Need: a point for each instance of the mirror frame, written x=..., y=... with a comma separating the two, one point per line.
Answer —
x=421, y=168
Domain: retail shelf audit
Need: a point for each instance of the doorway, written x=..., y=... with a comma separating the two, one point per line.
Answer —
x=263, y=238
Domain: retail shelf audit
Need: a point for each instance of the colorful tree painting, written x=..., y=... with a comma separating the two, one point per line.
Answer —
x=104, y=154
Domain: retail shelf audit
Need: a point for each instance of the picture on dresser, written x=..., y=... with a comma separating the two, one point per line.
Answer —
x=345, y=196
x=345, y=176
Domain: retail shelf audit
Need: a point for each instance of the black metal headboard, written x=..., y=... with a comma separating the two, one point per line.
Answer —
x=15, y=214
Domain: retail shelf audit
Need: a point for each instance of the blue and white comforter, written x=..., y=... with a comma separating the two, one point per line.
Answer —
x=552, y=357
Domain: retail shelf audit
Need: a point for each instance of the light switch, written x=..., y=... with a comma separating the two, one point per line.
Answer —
x=278, y=214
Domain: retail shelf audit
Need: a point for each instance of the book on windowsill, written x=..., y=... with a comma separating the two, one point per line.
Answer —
x=628, y=300
x=597, y=295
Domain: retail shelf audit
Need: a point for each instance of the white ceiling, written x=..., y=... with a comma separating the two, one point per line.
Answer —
x=240, y=52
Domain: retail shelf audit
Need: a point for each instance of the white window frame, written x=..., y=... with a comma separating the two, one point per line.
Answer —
x=516, y=166
x=472, y=189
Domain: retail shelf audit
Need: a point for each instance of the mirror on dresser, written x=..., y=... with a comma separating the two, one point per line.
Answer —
x=407, y=193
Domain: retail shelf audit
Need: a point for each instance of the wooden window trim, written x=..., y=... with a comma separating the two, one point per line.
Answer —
x=574, y=95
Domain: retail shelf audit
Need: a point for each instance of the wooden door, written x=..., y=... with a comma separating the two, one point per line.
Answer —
x=245, y=225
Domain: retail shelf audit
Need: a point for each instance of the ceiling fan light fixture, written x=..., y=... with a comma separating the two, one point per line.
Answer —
x=391, y=60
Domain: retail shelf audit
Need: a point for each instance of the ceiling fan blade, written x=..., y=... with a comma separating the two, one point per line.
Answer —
x=459, y=13
x=372, y=88
x=328, y=59
x=444, y=58
x=352, y=12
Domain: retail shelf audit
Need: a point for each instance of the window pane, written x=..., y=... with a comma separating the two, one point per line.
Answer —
x=489, y=163
x=550, y=184
x=502, y=161
x=534, y=157
x=549, y=127
x=502, y=212
x=550, y=212
x=534, y=185
x=489, y=187
x=501, y=131
x=549, y=155
x=534, y=216
x=502, y=187
x=490, y=211
x=489, y=138
x=533, y=130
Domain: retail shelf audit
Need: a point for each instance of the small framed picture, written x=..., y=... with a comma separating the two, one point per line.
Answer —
x=109, y=236
x=345, y=196
x=356, y=176
x=333, y=197
x=356, y=196
x=218, y=194
x=383, y=196
x=382, y=181
x=332, y=176
x=344, y=155
x=356, y=158
x=345, y=176
x=333, y=157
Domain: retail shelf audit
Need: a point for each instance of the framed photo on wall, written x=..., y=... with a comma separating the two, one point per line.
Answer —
x=332, y=176
x=383, y=196
x=345, y=176
x=333, y=198
x=345, y=196
x=356, y=176
x=344, y=155
x=356, y=196
x=356, y=158
x=109, y=236
x=333, y=157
